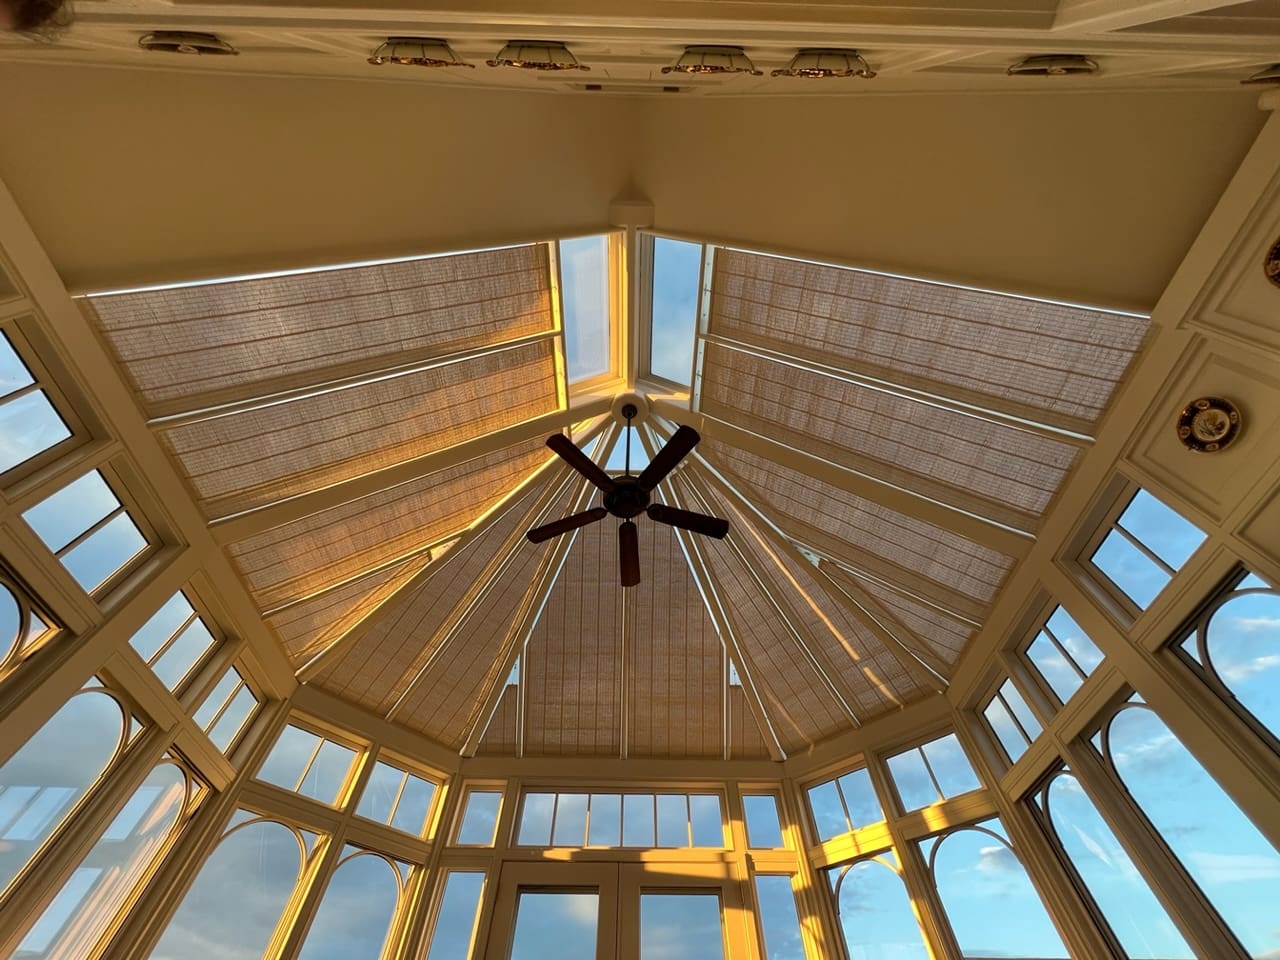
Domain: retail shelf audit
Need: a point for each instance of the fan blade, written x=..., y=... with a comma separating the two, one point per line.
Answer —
x=575, y=458
x=629, y=554
x=681, y=442
x=565, y=524
x=688, y=520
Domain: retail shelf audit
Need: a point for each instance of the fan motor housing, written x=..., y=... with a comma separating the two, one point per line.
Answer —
x=626, y=499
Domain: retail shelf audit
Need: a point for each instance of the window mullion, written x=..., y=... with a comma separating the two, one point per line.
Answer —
x=1150, y=554
x=90, y=532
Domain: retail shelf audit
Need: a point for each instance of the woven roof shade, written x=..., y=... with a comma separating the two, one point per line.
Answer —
x=1045, y=358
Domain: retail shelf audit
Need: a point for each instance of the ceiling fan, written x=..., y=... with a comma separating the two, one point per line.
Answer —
x=627, y=496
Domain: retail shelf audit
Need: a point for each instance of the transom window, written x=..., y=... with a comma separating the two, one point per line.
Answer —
x=931, y=772
x=173, y=641
x=1063, y=655
x=644, y=820
x=29, y=423
x=309, y=765
x=1011, y=720
x=226, y=711
x=397, y=798
x=843, y=804
x=89, y=530
x=1146, y=545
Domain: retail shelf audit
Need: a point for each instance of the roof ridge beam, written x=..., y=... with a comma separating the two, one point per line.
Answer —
x=989, y=533
x=240, y=526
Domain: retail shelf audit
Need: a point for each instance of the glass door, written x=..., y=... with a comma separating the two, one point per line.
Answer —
x=555, y=911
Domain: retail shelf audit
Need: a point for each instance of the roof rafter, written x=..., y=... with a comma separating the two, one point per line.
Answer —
x=1012, y=543
x=243, y=525
x=705, y=580
x=535, y=601
x=489, y=578
x=481, y=524
x=1100, y=16
x=779, y=606
x=918, y=659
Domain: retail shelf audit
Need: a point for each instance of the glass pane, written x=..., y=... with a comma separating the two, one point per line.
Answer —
x=584, y=276
x=617, y=462
x=92, y=561
x=950, y=766
x=571, y=820
x=1130, y=569
x=41, y=783
x=28, y=425
x=13, y=372
x=1163, y=531
x=993, y=909
x=233, y=719
x=677, y=268
x=1075, y=641
x=380, y=793
x=328, y=772
x=10, y=621
x=876, y=916
x=155, y=633
x=355, y=914
x=90, y=899
x=415, y=804
x=1135, y=915
x=860, y=798
x=828, y=814
x=188, y=649
x=535, y=819
x=455, y=925
x=1006, y=731
x=560, y=925
x=249, y=877
x=1243, y=641
x=1053, y=666
x=680, y=926
x=1236, y=867
x=60, y=518
x=911, y=777
x=637, y=820
x=216, y=699
x=605, y=827
x=764, y=830
x=706, y=820
x=1030, y=725
x=288, y=758
x=480, y=818
x=673, y=820
x=778, y=919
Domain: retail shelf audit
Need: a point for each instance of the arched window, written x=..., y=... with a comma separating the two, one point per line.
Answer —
x=23, y=628
x=1237, y=643
x=1136, y=918
x=132, y=843
x=1235, y=866
x=355, y=915
x=43, y=782
x=233, y=907
x=875, y=912
x=993, y=908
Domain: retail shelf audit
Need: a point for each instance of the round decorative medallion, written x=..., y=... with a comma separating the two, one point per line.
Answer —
x=1272, y=264
x=1208, y=424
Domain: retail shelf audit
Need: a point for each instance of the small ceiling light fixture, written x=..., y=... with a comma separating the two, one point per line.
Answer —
x=183, y=41
x=1269, y=74
x=826, y=62
x=417, y=52
x=536, y=55
x=714, y=59
x=1053, y=65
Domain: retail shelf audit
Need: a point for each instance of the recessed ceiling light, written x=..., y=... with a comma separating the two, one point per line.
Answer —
x=417, y=52
x=826, y=62
x=714, y=59
x=536, y=55
x=182, y=41
x=1053, y=65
